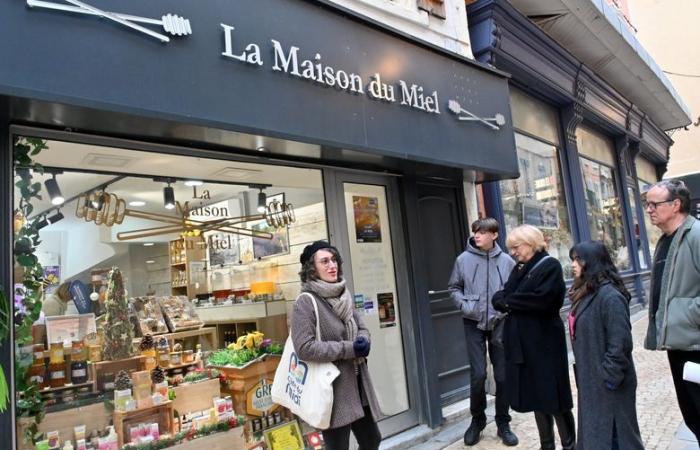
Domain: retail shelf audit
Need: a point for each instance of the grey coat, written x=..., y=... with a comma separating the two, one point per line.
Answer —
x=476, y=276
x=334, y=347
x=603, y=351
x=676, y=325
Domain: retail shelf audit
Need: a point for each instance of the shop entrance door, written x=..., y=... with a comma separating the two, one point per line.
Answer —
x=442, y=239
x=365, y=224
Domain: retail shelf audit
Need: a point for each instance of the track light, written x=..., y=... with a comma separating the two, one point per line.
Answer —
x=42, y=223
x=169, y=197
x=98, y=201
x=55, y=218
x=54, y=191
x=262, y=201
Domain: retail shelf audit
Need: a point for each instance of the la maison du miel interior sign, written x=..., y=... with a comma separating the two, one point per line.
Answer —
x=293, y=61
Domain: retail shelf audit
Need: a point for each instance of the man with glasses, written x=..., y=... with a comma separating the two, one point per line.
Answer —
x=674, y=306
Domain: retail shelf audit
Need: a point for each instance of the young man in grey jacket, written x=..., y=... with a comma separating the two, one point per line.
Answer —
x=674, y=304
x=480, y=271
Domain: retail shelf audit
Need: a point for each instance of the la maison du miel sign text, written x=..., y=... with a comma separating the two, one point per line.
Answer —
x=292, y=61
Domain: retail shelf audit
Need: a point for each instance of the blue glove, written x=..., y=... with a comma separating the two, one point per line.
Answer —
x=610, y=386
x=361, y=347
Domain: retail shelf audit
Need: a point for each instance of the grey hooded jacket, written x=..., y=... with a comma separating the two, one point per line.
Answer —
x=676, y=325
x=476, y=276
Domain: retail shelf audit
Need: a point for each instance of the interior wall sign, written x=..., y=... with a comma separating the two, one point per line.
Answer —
x=171, y=24
x=457, y=109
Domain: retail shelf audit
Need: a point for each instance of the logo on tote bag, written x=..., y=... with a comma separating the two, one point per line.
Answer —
x=296, y=377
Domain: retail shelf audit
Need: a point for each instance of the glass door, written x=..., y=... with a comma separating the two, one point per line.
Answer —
x=367, y=230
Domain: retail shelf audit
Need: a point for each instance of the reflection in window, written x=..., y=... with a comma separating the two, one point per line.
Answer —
x=537, y=197
x=604, y=210
x=637, y=232
x=653, y=233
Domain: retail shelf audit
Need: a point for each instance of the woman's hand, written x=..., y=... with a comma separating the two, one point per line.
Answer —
x=499, y=302
x=361, y=347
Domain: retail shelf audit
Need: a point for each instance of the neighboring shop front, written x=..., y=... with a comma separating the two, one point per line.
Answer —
x=586, y=154
x=200, y=167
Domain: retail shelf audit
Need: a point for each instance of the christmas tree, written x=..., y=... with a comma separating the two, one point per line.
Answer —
x=118, y=331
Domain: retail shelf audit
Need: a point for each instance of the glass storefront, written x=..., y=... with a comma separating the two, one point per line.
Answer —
x=537, y=197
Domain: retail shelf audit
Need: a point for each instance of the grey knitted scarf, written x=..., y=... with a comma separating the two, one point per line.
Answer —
x=340, y=299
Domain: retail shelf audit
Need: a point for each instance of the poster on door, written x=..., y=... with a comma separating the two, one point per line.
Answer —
x=368, y=227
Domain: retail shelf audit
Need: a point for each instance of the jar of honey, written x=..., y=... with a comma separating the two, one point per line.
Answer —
x=37, y=374
x=57, y=374
x=56, y=353
x=78, y=365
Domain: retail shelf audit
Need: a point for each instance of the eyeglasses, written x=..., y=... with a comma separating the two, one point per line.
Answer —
x=654, y=205
x=325, y=262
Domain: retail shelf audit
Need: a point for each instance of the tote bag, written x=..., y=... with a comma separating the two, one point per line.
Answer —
x=305, y=387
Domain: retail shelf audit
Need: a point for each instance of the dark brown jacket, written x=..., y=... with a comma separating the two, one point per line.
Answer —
x=334, y=347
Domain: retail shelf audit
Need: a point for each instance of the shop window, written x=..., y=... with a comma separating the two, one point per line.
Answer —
x=604, y=210
x=208, y=258
x=534, y=117
x=653, y=232
x=637, y=232
x=537, y=197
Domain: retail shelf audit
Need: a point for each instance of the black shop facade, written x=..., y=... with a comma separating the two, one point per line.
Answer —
x=198, y=154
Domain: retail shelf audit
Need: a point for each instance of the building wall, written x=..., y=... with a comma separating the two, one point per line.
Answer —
x=669, y=31
x=450, y=33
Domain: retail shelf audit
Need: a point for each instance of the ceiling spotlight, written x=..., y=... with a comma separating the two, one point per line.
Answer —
x=169, y=197
x=148, y=244
x=137, y=203
x=150, y=261
x=54, y=191
x=262, y=201
x=191, y=183
x=42, y=223
x=55, y=218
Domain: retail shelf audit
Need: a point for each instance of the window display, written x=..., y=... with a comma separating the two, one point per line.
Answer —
x=537, y=197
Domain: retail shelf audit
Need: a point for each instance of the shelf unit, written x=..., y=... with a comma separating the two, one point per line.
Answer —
x=184, y=254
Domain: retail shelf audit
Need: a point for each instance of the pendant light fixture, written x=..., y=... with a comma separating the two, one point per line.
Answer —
x=169, y=197
x=54, y=191
x=262, y=201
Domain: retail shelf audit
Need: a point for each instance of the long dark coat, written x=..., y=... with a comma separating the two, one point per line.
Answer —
x=537, y=369
x=603, y=349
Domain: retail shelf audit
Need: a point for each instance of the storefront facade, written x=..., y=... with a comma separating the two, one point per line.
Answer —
x=586, y=153
x=299, y=98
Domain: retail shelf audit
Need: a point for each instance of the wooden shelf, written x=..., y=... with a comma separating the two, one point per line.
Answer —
x=178, y=264
x=67, y=386
x=179, y=366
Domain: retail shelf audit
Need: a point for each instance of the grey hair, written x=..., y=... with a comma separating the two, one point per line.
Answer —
x=308, y=269
x=677, y=190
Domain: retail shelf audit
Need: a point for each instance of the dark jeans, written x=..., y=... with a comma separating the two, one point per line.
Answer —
x=687, y=392
x=365, y=430
x=476, y=351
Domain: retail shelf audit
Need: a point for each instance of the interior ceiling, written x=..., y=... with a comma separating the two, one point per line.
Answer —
x=66, y=155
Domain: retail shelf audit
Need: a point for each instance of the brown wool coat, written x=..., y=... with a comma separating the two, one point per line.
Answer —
x=334, y=347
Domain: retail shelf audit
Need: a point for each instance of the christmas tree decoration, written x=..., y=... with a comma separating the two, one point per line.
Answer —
x=157, y=375
x=123, y=381
x=118, y=330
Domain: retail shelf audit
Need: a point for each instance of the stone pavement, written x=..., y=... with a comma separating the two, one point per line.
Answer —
x=657, y=409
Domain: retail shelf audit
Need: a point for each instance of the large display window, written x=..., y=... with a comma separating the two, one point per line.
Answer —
x=537, y=197
x=164, y=296
x=646, y=174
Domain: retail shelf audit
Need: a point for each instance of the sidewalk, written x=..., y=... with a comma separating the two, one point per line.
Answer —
x=659, y=417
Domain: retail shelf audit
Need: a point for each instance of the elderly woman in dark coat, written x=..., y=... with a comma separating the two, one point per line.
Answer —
x=601, y=336
x=537, y=370
x=345, y=341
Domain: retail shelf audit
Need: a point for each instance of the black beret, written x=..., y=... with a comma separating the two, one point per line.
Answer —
x=310, y=249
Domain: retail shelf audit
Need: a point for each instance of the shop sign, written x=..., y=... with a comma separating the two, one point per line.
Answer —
x=259, y=399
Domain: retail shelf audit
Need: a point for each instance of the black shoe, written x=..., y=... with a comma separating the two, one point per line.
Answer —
x=507, y=436
x=473, y=434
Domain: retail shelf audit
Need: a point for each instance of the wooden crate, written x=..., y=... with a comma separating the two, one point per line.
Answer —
x=106, y=371
x=196, y=396
x=124, y=420
x=240, y=380
x=94, y=416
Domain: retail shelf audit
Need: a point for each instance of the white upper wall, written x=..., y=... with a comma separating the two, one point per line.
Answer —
x=669, y=30
x=451, y=33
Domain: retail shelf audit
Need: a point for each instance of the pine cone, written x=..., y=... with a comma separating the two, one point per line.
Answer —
x=123, y=381
x=157, y=375
x=147, y=343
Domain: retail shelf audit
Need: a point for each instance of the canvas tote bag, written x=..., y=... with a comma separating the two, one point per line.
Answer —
x=305, y=387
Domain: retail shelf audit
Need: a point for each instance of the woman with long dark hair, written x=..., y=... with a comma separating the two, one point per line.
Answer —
x=601, y=336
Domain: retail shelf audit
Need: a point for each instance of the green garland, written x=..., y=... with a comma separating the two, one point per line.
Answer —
x=183, y=436
x=29, y=401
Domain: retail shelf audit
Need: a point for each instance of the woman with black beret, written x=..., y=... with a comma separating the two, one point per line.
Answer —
x=345, y=341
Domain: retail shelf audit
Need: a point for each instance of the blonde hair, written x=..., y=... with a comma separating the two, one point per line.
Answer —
x=526, y=234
